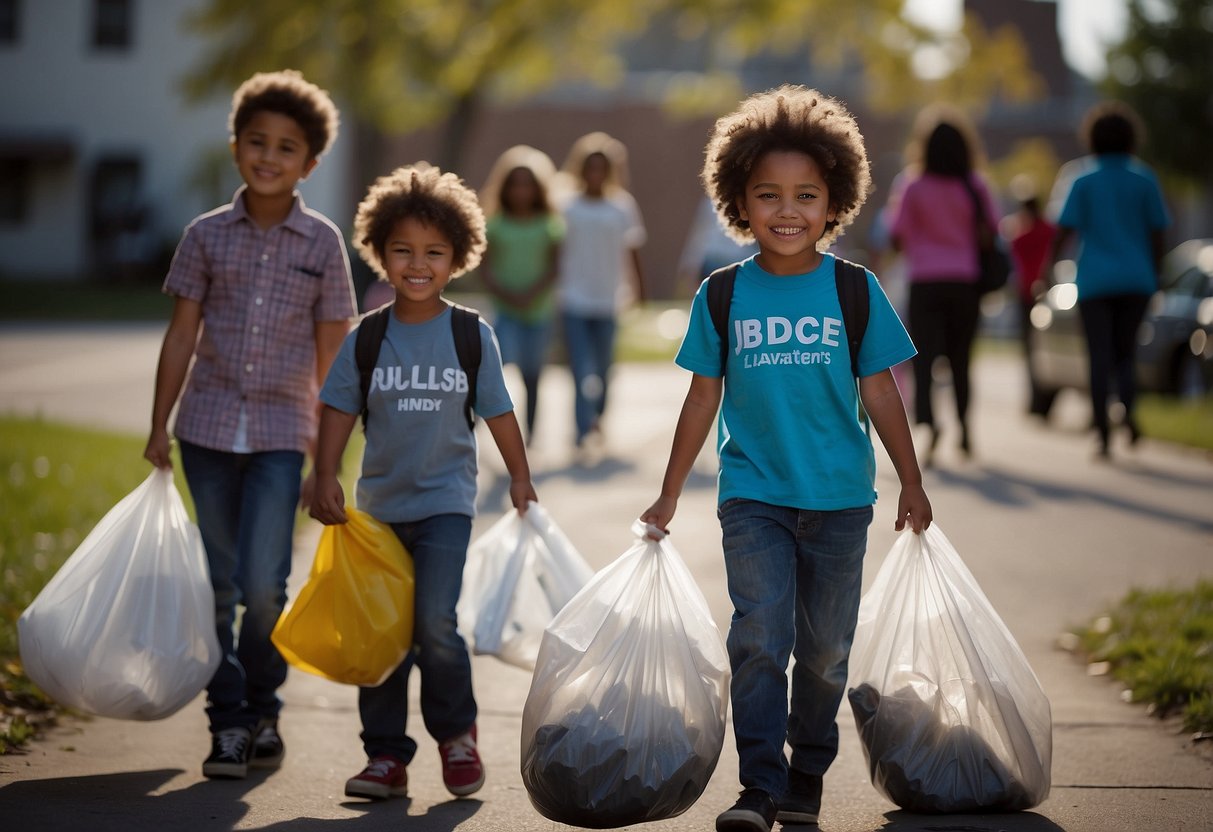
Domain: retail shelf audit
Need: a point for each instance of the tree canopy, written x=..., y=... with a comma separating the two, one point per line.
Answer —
x=400, y=65
x=1164, y=70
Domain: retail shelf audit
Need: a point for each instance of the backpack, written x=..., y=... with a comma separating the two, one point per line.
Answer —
x=465, y=327
x=850, y=281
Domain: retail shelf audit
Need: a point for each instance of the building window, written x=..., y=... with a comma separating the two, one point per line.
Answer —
x=14, y=191
x=10, y=13
x=113, y=22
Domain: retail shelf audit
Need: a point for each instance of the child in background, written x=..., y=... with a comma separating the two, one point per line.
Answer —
x=519, y=265
x=263, y=297
x=789, y=170
x=603, y=235
x=419, y=228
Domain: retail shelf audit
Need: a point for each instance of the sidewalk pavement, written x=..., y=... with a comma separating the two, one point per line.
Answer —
x=1051, y=536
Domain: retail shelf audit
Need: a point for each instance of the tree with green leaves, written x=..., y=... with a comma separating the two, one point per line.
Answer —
x=1164, y=70
x=400, y=65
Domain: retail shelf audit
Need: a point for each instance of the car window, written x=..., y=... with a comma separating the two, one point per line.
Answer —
x=1192, y=282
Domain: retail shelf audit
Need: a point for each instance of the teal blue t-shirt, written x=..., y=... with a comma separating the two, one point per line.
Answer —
x=789, y=431
x=1114, y=207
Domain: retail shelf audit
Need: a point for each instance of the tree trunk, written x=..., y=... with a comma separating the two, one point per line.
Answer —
x=456, y=130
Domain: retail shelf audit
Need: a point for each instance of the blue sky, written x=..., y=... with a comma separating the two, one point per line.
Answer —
x=1085, y=26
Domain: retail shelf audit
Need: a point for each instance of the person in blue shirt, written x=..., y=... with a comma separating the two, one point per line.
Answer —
x=788, y=169
x=1115, y=208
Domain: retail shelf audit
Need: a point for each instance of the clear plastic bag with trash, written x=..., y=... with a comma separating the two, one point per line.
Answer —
x=126, y=627
x=519, y=574
x=625, y=718
x=950, y=715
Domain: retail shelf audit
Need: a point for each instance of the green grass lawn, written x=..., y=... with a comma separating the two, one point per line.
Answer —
x=1159, y=644
x=45, y=300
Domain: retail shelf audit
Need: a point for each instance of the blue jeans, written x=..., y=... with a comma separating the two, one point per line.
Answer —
x=245, y=504
x=439, y=548
x=794, y=578
x=590, y=343
x=525, y=344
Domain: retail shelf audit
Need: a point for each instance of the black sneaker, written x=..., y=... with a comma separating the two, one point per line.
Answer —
x=268, y=747
x=230, y=749
x=802, y=802
x=754, y=811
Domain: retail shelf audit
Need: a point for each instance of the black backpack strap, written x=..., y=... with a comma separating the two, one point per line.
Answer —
x=371, y=330
x=465, y=327
x=851, y=283
x=720, y=298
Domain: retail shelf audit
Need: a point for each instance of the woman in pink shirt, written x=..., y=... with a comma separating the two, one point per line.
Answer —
x=934, y=224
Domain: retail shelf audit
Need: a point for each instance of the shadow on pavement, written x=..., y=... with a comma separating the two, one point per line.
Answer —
x=1014, y=489
x=899, y=821
x=390, y=816
x=125, y=801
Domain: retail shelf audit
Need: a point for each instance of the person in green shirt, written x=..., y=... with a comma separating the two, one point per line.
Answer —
x=519, y=267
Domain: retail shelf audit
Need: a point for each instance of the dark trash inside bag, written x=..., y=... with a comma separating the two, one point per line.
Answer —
x=925, y=766
x=581, y=770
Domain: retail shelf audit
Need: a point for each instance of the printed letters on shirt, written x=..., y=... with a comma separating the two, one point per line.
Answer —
x=419, y=379
x=753, y=335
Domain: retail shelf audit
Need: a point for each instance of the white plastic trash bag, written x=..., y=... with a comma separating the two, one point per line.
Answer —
x=126, y=627
x=625, y=718
x=519, y=574
x=950, y=715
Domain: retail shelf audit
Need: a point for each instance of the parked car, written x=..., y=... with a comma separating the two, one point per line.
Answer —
x=1174, y=343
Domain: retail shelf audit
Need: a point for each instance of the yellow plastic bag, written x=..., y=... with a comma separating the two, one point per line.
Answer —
x=353, y=620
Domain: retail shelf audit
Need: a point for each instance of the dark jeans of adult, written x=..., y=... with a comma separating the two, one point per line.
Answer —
x=943, y=322
x=1110, y=324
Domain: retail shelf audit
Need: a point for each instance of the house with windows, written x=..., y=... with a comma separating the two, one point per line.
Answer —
x=102, y=160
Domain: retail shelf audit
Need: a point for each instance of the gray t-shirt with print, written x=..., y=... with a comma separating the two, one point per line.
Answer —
x=420, y=457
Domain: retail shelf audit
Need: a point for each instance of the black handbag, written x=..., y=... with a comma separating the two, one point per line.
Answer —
x=994, y=263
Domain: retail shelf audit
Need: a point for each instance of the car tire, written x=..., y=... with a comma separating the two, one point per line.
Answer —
x=1187, y=380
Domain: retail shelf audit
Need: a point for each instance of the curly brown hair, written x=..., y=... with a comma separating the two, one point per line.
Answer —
x=792, y=118
x=426, y=194
x=287, y=93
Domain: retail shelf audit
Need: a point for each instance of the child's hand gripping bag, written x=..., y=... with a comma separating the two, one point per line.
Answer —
x=126, y=627
x=950, y=715
x=519, y=574
x=625, y=717
x=353, y=620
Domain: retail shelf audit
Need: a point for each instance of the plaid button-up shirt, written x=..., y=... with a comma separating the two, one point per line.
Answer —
x=262, y=293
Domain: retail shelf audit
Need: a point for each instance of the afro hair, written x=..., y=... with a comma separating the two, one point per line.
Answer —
x=287, y=93
x=426, y=194
x=788, y=118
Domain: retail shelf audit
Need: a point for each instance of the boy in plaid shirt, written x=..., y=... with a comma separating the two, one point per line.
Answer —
x=263, y=299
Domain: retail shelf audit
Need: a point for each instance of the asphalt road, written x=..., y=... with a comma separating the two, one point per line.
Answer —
x=1051, y=535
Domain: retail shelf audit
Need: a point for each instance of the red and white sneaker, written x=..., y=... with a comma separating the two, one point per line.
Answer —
x=383, y=777
x=462, y=771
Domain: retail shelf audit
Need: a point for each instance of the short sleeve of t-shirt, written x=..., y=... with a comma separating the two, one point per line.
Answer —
x=187, y=272
x=634, y=236
x=336, y=301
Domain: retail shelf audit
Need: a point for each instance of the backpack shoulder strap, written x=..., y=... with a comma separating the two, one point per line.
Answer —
x=720, y=298
x=851, y=282
x=465, y=327
x=371, y=330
